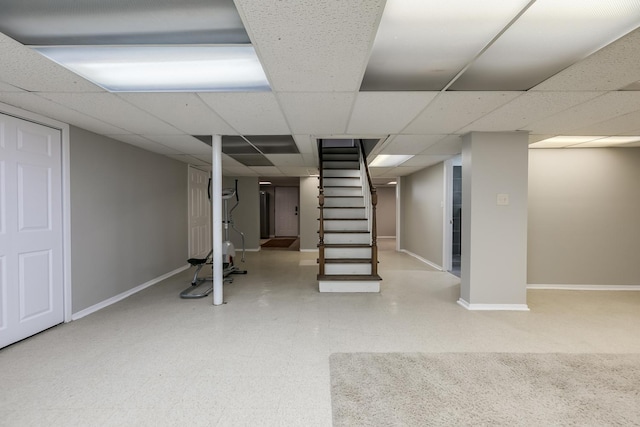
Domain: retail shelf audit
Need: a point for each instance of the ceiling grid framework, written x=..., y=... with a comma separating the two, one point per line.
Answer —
x=315, y=55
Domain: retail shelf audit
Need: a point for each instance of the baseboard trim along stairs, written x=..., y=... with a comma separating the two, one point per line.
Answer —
x=347, y=247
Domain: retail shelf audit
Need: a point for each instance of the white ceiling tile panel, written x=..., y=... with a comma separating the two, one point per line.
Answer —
x=611, y=68
x=448, y=146
x=144, y=143
x=184, y=144
x=422, y=160
x=528, y=108
x=113, y=110
x=297, y=170
x=38, y=104
x=427, y=161
x=626, y=124
x=249, y=113
x=185, y=158
x=386, y=112
x=267, y=170
x=238, y=171
x=206, y=159
x=306, y=144
x=310, y=160
x=410, y=144
x=312, y=45
x=185, y=111
x=31, y=71
x=285, y=159
x=6, y=87
x=317, y=113
x=597, y=110
x=452, y=111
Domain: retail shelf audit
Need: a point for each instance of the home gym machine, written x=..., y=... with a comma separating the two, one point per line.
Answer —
x=198, y=288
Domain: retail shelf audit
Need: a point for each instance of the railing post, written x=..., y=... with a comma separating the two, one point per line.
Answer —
x=321, y=260
x=374, y=232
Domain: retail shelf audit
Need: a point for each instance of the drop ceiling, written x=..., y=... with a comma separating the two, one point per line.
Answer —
x=320, y=59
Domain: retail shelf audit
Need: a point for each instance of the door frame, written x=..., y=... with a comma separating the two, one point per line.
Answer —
x=190, y=202
x=21, y=114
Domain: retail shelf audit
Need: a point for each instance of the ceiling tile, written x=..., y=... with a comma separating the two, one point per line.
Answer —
x=450, y=145
x=185, y=111
x=300, y=43
x=238, y=171
x=452, y=111
x=285, y=159
x=310, y=160
x=267, y=170
x=184, y=144
x=109, y=108
x=273, y=144
x=625, y=124
x=386, y=112
x=35, y=103
x=611, y=68
x=410, y=144
x=31, y=71
x=191, y=160
x=528, y=108
x=297, y=170
x=6, y=87
x=596, y=110
x=250, y=113
x=144, y=143
x=306, y=144
x=428, y=161
x=317, y=113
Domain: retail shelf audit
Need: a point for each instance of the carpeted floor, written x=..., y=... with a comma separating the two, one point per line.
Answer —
x=508, y=389
x=278, y=243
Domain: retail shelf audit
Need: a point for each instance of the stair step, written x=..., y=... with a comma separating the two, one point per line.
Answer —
x=349, y=277
x=340, y=173
x=343, y=202
x=341, y=213
x=347, y=260
x=347, y=251
x=341, y=182
x=340, y=164
x=346, y=232
x=340, y=150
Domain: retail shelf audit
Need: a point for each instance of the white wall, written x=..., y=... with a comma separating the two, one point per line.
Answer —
x=421, y=213
x=128, y=217
x=386, y=211
x=584, y=206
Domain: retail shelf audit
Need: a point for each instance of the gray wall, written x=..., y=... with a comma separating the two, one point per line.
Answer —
x=128, y=217
x=246, y=217
x=386, y=211
x=422, y=214
x=309, y=213
x=584, y=206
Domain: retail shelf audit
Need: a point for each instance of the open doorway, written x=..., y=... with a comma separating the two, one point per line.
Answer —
x=279, y=213
x=452, y=236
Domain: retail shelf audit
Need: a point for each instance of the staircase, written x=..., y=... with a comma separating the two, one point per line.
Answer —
x=348, y=255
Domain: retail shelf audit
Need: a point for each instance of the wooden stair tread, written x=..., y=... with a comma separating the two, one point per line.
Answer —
x=347, y=260
x=342, y=197
x=346, y=245
x=344, y=219
x=348, y=277
x=345, y=231
x=340, y=207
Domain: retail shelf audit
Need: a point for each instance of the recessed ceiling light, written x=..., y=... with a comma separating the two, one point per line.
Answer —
x=198, y=68
x=389, y=160
x=265, y=182
x=611, y=141
x=584, y=141
x=391, y=183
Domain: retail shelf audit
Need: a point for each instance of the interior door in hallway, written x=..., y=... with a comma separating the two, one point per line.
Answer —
x=199, y=213
x=31, y=229
x=286, y=211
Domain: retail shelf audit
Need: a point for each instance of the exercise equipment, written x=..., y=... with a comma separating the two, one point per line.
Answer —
x=197, y=290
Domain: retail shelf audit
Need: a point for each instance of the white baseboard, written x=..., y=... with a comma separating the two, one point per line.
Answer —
x=493, y=307
x=562, y=287
x=251, y=250
x=89, y=310
x=426, y=261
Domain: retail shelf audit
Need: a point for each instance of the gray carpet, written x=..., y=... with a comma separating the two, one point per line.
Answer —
x=471, y=389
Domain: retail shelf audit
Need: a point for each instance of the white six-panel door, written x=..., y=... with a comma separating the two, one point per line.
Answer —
x=31, y=233
x=286, y=210
x=199, y=213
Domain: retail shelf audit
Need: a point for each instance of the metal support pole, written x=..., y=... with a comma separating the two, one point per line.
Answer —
x=216, y=217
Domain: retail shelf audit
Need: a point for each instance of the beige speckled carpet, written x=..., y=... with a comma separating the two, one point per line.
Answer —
x=509, y=389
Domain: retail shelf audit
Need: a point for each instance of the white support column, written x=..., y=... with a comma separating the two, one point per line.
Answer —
x=494, y=221
x=216, y=217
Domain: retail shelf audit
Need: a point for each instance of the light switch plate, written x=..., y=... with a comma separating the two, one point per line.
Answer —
x=502, y=199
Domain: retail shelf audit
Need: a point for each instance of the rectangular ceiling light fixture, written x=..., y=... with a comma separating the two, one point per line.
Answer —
x=197, y=68
x=389, y=160
x=489, y=45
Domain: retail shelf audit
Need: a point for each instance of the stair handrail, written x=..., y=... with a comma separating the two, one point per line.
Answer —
x=321, y=259
x=371, y=201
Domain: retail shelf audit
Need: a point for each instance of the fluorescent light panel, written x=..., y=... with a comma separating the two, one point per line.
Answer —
x=424, y=44
x=201, y=68
x=389, y=160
